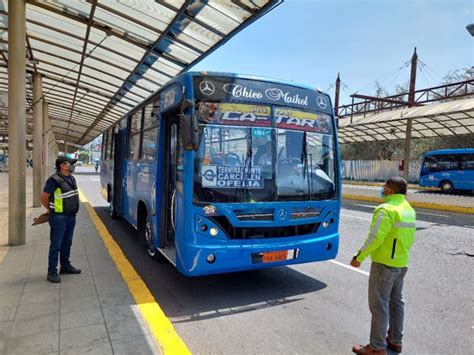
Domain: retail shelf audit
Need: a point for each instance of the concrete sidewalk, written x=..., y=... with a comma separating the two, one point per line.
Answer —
x=92, y=313
x=418, y=198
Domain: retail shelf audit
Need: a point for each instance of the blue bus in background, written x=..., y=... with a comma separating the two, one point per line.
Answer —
x=221, y=173
x=448, y=169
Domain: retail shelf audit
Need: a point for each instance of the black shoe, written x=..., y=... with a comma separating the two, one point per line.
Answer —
x=69, y=270
x=54, y=278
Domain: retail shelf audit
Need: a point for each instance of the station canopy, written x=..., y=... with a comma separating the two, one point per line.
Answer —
x=434, y=120
x=98, y=59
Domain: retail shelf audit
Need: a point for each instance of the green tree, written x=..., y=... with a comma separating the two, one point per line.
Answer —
x=83, y=156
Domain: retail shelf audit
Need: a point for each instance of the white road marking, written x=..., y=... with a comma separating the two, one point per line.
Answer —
x=350, y=267
x=360, y=204
x=94, y=179
x=433, y=214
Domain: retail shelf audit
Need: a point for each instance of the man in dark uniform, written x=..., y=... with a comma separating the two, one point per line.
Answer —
x=61, y=198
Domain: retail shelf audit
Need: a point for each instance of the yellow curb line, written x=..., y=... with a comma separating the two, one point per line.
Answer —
x=368, y=183
x=428, y=205
x=161, y=327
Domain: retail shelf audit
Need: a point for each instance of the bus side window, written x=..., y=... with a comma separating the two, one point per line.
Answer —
x=430, y=163
x=104, y=145
x=467, y=162
x=112, y=143
x=149, y=144
x=108, y=144
x=134, y=147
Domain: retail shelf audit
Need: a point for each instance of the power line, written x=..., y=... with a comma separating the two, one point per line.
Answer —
x=385, y=76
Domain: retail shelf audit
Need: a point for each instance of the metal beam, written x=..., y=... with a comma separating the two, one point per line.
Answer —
x=193, y=19
x=118, y=95
x=147, y=26
x=123, y=35
x=379, y=99
x=83, y=57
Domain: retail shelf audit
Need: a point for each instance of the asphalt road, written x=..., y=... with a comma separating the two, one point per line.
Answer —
x=317, y=308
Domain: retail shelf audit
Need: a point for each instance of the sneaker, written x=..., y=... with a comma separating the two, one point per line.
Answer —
x=367, y=350
x=54, y=278
x=395, y=347
x=69, y=270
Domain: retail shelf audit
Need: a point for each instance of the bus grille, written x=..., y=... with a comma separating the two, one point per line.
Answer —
x=263, y=232
x=261, y=214
x=305, y=212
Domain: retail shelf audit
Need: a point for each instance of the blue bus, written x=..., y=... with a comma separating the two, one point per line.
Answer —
x=222, y=172
x=448, y=169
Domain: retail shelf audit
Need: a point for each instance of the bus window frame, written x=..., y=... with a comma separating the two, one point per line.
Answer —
x=141, y=109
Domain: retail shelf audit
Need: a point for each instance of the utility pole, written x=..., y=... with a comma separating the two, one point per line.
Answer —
x=336, y=96
x=411, y=103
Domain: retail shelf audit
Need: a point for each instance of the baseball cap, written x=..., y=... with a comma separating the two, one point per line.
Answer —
x=63, y=159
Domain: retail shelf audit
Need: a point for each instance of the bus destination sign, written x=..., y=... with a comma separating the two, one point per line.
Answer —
x=242, y=90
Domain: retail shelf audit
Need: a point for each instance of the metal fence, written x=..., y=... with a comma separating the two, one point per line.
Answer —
x=377, y=170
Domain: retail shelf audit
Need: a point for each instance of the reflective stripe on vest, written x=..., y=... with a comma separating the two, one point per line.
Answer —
x=58, y=201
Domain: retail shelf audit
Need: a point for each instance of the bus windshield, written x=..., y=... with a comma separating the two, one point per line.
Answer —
x=256, y=153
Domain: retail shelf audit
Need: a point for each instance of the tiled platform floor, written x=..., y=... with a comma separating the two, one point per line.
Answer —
x=91, y=313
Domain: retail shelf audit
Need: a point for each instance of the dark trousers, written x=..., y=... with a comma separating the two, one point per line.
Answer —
x=62, y=230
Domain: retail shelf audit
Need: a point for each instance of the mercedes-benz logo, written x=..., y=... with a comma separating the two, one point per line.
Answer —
x=207, y=88
x=321, y=102
x=282, y=214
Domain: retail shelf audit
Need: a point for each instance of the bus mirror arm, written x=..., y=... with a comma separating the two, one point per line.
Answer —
x=189, y=132
x=185, y=104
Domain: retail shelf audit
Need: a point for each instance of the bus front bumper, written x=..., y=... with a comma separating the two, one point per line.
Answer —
x=204, y=259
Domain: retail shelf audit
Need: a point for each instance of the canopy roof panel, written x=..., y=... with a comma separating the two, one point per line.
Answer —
x=99, y=59
x=442, y=119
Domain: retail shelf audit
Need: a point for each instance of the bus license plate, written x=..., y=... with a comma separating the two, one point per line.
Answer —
x=280, y=255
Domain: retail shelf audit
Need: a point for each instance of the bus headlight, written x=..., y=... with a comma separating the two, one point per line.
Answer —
x=325, y=224
x=213, y=231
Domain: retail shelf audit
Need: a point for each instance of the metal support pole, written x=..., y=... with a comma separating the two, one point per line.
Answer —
x=37, y=138
x=17, y=122
x=411, y=103
x=45, y=145
x=336, y=96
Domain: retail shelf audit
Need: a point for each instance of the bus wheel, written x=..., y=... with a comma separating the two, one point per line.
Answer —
x=146, y=234
x=112, y=211
x=446, y=186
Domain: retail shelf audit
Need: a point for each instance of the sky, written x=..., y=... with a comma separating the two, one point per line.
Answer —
x=310, y=41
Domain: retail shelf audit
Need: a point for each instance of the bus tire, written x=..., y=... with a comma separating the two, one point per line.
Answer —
x=112, y=212
x=446, y=186
x=145, y=236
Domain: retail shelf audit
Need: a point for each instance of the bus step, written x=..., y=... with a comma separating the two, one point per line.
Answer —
x=169, y=253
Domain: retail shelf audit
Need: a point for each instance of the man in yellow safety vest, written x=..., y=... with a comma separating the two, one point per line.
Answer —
x=391, y=236
x=60, y=197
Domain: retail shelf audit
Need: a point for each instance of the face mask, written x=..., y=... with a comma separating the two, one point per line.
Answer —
x=72, y=168
x=382, y=193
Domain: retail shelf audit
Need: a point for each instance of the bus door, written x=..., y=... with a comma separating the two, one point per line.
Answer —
x=170, y=171
x=117, y=174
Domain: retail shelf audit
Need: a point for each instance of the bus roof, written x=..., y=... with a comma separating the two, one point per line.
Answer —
x=451, y=151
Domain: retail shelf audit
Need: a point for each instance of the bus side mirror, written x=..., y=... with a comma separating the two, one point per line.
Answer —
x=189, y=132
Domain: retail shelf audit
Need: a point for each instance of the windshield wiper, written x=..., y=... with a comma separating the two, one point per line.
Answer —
x=304, y=159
